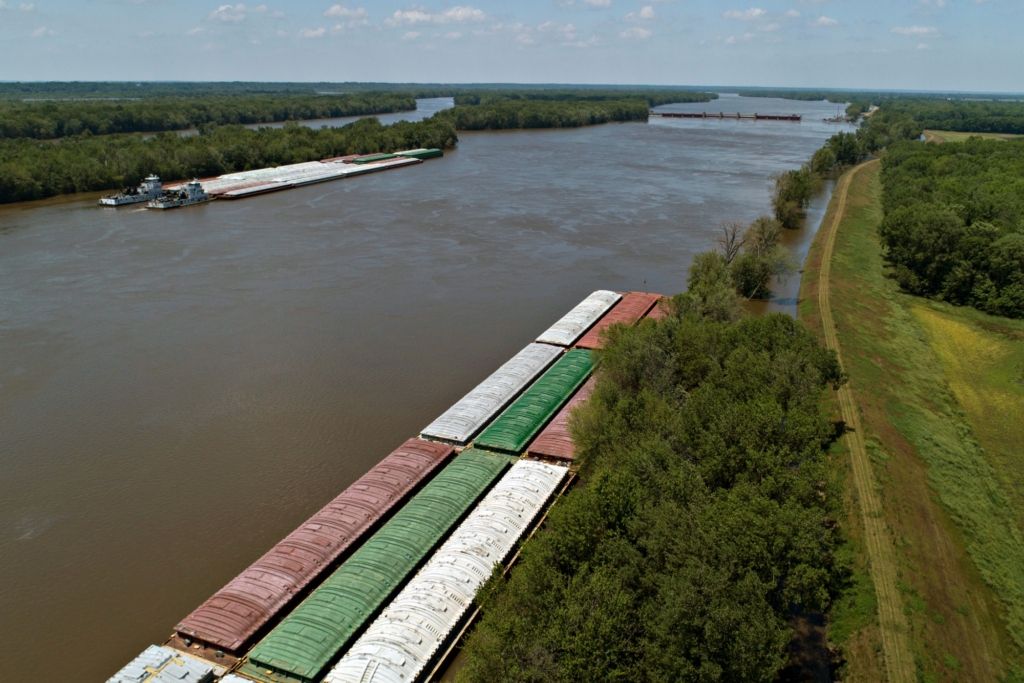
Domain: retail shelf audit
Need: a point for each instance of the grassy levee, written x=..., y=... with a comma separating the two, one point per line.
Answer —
x=941, y=444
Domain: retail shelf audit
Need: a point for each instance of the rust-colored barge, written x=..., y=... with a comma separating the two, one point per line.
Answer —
x=228, y=623
x=630, y=308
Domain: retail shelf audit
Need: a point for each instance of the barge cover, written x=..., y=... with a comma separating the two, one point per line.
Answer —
x=632, y=307
x=462, y=421
x=235, y=613
x=556, y=441
x=516, y=426
x=159, y=664
x=577, y=321
x=308, y=639
x=408, y=634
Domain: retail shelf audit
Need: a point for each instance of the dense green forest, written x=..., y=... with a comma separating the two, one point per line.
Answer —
x=706, y=511
x=99, y=90
x=543, y=114
x=33, y=170
x=55, y=119
x=652, y=97
x=954, y=221
x=962, y=116
x=133, y=89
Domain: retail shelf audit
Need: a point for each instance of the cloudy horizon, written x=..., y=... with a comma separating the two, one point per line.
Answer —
x=930, y=45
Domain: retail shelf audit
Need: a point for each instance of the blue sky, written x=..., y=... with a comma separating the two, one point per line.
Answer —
x=899, y=44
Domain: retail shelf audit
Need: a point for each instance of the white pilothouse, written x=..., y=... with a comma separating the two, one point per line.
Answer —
x=151, y=188
x=192, y=193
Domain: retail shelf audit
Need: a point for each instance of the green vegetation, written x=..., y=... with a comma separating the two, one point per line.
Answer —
x=706, y=510
x=948, y=136
x=56, y=119
x=948, y=470
x=954, y=222
x=31, y=169
x=652, y=97
x=748, y=258
x=963, y=116
x=543, y=114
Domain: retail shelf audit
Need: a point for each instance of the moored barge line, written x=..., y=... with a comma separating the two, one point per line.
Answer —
x=722, y=115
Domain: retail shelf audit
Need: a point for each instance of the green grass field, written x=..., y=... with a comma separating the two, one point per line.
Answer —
x=941, y=404
x=953, y=136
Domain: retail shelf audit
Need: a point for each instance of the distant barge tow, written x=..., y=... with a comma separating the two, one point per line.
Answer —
x=722, y=115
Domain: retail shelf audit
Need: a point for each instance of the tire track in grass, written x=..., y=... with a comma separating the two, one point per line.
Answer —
x=899, y=662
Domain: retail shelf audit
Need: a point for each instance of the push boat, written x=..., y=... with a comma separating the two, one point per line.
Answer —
x=150, y=189
x=192, y=193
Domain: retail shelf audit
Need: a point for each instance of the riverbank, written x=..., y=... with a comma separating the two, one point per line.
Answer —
x=943, y=537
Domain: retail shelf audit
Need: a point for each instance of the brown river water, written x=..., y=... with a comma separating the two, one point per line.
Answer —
x=179, y=390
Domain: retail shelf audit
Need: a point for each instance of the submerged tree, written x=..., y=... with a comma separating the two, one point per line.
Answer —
x=792, y=193
x=761, y=259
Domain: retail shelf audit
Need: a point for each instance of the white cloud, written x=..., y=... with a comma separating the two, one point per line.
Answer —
x=454, y=35
x=793, y=14
x=350, y=17
x=313, y=32
x=236, y=12
x=599, y=3
x=774, y=26
x=915, y=30
x=732, y=40
x=567, y=30
x=646, y=13
x=823, y=21
x=418, y=14
x=26, y=7
x=281, y=34
x=637, y=32
x=195, y=31
x=525, y=39
x=752, y=14
x=257, y=41
x=146, y=34
x=923, y=46
x=411, y=35
x=42, y=32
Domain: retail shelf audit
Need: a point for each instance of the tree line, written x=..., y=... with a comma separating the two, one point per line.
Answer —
x=44, y=120
x=652, y=97
x=962, y=116
x=512, y=114
x=954, y=222
x=706, y=511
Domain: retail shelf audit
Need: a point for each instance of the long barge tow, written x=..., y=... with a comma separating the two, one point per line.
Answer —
x=263, y=180
x=722, y=115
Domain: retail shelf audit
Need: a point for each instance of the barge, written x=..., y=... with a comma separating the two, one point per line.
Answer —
x=722, y=115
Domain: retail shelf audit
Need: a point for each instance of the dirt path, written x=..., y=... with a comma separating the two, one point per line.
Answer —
x=899, y=662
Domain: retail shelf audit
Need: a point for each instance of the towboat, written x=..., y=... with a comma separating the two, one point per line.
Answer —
x=192, y=193
x=151, y=188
